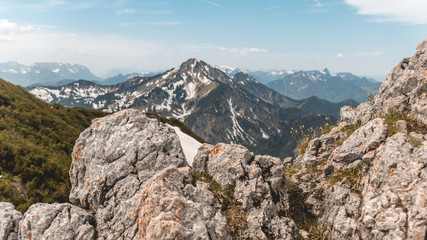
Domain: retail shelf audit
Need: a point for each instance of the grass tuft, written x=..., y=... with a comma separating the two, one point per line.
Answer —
x=351, y=177
x=413, y=124
x=234, y=213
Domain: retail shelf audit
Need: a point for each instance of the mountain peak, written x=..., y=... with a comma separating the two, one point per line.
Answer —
x=326, y=71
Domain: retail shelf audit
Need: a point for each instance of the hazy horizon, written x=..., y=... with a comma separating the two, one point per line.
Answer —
x=364, y=37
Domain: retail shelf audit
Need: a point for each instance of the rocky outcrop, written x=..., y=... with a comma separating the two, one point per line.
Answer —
x=367, y=178
x=130, y=180
x=405, y=89
x=112, y=160
x=9, y=221
x=171, y=207
x=258, y=184
x=56, y=221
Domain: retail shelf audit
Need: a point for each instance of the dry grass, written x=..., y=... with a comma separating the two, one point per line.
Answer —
x=413, y=124
x=352, y=177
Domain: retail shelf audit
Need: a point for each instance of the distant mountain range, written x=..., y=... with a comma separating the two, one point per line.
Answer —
x=44, y=72
x=214, y=105
x=297, y=85
x=325, y=85
x=262, y=76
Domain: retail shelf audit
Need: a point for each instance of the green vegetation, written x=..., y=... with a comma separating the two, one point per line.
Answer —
x=175, y=122
x=36, y=141
x=317, y=233
x=415, y=142
x=298, y=210
x=235, y=215
x=351, y=177
x=413, y=124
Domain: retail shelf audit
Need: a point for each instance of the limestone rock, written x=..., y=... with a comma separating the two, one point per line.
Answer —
x=172, y=208
x=319, y=149
x=112, y=160
x=258, y=183
x=56, y=221
x=365, y=139
x=387, y=198
x=9, y=221
x=342, y=213
x=405, y=89
x=395, y=192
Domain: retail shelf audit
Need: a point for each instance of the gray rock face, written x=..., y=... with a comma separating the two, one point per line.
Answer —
x=319, y=149
x=405, y=89
x=112, y=160
x=395, y=191
x=9, y=221
x=56, y=221
x=365, y=139
x=374, y=185
x=172, y=208
x=259, y=186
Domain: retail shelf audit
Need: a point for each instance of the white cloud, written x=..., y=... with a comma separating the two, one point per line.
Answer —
x=272, y=7
x=125, y=11
x=243, y=50
x=167, y=23
x=406, y=11
x=213, y=3
x=340, y=55
x=9, y=30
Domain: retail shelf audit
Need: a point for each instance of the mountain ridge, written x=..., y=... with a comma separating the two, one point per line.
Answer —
x=200, y=95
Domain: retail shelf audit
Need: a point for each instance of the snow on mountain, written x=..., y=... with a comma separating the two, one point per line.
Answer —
x=43, y=72
x=214, y=105
x=334, y=87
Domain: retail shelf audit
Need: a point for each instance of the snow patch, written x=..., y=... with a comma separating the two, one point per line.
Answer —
x=190, y=146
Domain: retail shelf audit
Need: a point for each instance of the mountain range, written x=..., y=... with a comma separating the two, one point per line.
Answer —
x=214, y=105
x=24, y=75
x=325, y=85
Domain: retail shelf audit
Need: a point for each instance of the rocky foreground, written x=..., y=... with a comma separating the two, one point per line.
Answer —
x=365, y=178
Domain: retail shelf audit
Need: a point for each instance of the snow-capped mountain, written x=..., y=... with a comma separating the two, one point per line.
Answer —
x=214, y=105
x=43, y=72
x=325, y=85
x=124, y=77
x=262, y=76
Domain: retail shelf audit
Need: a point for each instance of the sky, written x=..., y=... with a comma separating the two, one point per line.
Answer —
x=365, y=37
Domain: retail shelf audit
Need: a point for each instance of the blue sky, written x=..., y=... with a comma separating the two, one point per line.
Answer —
x=366, y=37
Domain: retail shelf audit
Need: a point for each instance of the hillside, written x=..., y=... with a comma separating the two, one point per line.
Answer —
x=36, y=140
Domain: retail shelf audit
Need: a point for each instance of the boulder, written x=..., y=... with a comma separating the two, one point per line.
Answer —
x=111, y=162
x=258, y=184
x=171, y=207
x=56, y=221
x=363, y=140
x=9, y=221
